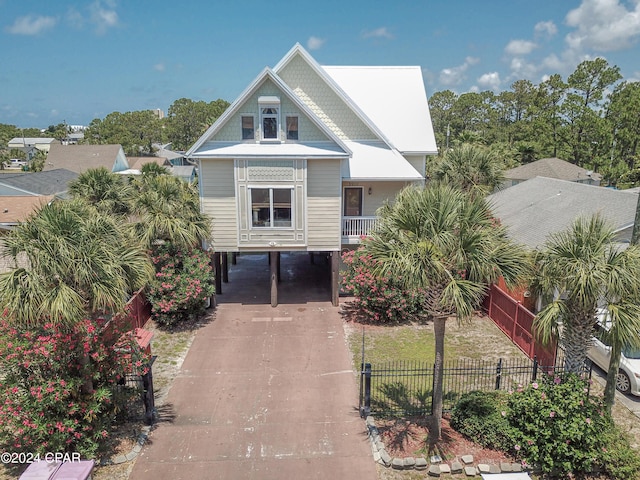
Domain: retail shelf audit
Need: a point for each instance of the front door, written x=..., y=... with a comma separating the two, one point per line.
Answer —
x=352, y=202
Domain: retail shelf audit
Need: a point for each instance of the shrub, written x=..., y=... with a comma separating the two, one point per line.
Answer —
x=45, y=405
x=183, y=282
x=563, y=430
x=481, y=417
x=380, y=299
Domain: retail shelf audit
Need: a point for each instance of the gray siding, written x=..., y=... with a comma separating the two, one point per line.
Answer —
x=219, y=201
x=323, y=205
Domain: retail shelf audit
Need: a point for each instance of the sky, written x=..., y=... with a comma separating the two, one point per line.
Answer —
x=74, y=61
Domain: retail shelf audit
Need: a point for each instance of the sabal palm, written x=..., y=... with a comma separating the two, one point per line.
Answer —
x=106, y=191
x=70, y=261
x=168, y=209
x=582, y=269
x=445, y=241
x=472, y=168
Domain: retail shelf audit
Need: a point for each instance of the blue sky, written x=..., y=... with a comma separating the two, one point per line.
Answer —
x=75, y=61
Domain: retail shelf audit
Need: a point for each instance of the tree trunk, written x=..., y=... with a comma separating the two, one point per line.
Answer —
x=435, y=430
x=612, y=374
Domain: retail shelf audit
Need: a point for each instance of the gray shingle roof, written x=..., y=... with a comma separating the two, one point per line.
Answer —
x=80, y=158
x=552, y=168
x=539, y=207
x=48, y=182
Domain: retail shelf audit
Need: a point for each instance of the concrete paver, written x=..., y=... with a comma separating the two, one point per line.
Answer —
x=264, y=392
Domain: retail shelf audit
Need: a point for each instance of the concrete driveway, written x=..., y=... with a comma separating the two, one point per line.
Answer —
x=264, y=393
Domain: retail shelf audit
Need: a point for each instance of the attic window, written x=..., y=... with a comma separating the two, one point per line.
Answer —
x=292, y=128
x=247, y=127
x=270, y=117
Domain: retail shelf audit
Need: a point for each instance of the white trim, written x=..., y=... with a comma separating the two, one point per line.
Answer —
x=270, y=187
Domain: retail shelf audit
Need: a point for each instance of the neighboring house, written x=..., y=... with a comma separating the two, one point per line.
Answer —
x=136, y=163
x=551, y=168
x=184, y=172
x=28, y=151
x=42, y=144
x=16, y=209
x=50, y=182
x=80, y=158
x=176, y=158
x=535, y=209
x=304, y=157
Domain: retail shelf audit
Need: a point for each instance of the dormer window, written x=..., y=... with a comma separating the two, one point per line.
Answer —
x=270, y=117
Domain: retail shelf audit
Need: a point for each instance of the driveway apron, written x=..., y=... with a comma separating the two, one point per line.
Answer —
x=264, y=393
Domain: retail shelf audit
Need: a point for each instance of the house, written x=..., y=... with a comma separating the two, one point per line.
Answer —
x=16, y=209
x=304, y=157
x=535, y=209
x=80, y=158
x=42, y=144
x=50, y=182
x=551, y=168
x=184, y=172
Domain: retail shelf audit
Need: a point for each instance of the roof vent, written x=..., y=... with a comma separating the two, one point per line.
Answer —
x=589, y=173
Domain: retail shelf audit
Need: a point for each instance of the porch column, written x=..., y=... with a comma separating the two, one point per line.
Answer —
x=273, y=260
x=278, y=266
x=218, y=272
x=225, y=267
x=335, y=278
x=234, y=258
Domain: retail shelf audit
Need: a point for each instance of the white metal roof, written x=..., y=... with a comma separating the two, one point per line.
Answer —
x=376, y=161
x=243, y=150
x=395, y=100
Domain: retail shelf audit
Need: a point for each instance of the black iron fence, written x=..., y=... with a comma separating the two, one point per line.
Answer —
x=135, y=396
x=406, y=388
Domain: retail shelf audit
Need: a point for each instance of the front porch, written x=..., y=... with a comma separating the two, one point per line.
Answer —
x=354, y=228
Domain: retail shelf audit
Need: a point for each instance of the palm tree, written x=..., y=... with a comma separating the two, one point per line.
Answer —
x=471, y=168
x=582, y=270
x=167, y=209
x=445, y=241
x=106, y=191
x=70, y=261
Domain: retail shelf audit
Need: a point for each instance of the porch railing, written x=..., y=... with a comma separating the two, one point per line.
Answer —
x=355, y=227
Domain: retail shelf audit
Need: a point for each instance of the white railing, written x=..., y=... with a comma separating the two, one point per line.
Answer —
x=355, y=227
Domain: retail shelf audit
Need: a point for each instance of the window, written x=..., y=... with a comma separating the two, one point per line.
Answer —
x=352, y=202
x=247, y=128
x=271, y=207
x=292, y=128
x=269, y=123
x=269, y=117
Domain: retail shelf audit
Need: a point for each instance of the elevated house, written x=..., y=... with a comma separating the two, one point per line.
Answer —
x=304, y=157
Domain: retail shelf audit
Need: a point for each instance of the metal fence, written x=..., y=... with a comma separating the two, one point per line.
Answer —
x=134, y=395
x=406, y=388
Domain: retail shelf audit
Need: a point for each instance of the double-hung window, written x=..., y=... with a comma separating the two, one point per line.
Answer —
x=247, y=127
x=271, y=207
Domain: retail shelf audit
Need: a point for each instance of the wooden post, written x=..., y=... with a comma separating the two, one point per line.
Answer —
x=311, y=259
x=225, y=267
x=335, y=278
x=278, y=266
x=273, y=259
x=218, y=272
x=234, y=258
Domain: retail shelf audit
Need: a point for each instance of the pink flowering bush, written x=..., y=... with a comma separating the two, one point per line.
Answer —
x=379, y=299
x=43, y=405
x=183, y=282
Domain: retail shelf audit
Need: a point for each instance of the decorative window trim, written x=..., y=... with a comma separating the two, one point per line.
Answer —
x=269, y=110
x=255, y=212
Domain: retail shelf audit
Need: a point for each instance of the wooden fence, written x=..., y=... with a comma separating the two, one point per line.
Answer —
x=517, y=323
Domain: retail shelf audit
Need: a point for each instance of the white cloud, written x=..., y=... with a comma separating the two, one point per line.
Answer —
x=490, y=81
x=603, y=25
x=159, y=67
x=103, y=15
x=547, y=29
x=520, y=47
x=314, y=43
x=31, y=25
x=381, y=32
x=455, y=75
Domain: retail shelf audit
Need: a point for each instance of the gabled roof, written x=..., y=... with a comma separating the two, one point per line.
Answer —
x=393, y=99
x=552, y=168
x=80, y=158
x=31, y=140
x=136, y=163
x=267, y=73
x=534, y=209
x=48, y=182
